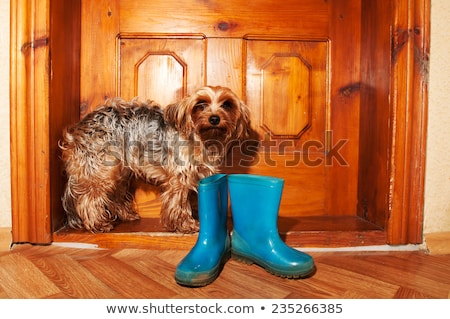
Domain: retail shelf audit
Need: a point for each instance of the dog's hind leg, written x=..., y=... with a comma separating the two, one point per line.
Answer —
x=88, y=205
x=124, y=201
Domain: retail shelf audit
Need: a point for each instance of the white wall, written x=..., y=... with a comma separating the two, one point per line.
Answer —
x=437, y=178
x=5, y=181
x=437, y=191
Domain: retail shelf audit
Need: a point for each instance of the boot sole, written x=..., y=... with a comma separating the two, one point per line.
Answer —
x=202, y=281
x=248, y=261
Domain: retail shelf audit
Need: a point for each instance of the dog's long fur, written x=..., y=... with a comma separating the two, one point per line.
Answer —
x=173, y=148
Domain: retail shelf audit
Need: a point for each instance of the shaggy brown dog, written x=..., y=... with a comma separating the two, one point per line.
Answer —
x=173, y=148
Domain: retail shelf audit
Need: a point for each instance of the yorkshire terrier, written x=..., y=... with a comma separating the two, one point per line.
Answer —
x=172, y=148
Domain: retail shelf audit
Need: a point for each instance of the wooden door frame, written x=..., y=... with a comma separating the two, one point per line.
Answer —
x=36, y=101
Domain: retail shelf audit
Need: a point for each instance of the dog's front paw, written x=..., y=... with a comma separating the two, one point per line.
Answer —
x=129, y=216
x=189, y=226
x=180, y=221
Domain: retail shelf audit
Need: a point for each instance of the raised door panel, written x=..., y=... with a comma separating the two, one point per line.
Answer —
x=286, y=86
x=164, y=69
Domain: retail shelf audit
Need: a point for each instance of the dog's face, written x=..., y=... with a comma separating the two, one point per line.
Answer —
x=211, y=113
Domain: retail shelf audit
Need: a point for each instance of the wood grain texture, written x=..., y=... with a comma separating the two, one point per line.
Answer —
x=231, y=19
x=98, y=65
x=373, y=184
x=29, y=98
x=57, y=272
x=411, y=48
x=64, y=106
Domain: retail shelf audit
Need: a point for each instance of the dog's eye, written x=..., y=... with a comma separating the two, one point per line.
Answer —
x=227, y=105
x=200, y=106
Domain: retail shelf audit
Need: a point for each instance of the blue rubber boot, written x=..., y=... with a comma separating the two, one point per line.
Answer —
x=203, y=264
x=255, y=202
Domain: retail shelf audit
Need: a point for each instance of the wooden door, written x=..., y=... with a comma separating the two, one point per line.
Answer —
x=372, y=56
x=277, y=56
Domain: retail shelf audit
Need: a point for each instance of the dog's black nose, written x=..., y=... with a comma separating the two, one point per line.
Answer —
x=214, y=119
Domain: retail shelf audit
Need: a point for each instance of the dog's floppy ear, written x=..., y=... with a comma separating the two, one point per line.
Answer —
x=243, y=129
x=178, y=116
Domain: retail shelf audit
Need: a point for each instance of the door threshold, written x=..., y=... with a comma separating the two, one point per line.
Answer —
x=301, y=232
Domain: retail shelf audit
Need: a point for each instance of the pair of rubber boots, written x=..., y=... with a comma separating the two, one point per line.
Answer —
x=255, y=202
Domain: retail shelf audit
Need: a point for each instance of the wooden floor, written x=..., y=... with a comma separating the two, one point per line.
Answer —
x=57, y=272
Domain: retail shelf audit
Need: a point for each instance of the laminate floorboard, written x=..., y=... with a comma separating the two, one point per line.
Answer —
x=60, y=272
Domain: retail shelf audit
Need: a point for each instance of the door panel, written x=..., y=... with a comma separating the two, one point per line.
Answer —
x=286, y=85
x=287, y=88
x=275, y=55
x=164, y=69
